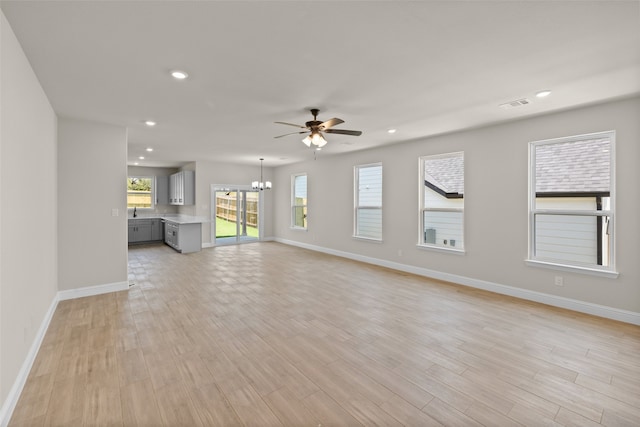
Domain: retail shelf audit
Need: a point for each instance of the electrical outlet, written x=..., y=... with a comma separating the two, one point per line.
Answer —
x=559, y=281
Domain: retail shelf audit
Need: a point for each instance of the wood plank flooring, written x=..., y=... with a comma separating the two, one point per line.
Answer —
x=265, y=334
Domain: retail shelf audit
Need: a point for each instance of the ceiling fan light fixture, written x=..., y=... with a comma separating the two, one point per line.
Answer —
x=318, y=140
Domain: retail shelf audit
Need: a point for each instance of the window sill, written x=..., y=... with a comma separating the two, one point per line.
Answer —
x=572, y=268
x=297, y=228
x=441, y=249
x=367, y=239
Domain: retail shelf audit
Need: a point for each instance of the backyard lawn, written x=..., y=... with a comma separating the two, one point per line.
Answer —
x=226, y=228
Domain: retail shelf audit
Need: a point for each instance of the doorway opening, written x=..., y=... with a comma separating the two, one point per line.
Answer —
x=236, y=212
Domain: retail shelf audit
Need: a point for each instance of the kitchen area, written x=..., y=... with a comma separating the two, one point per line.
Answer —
x=155, y=197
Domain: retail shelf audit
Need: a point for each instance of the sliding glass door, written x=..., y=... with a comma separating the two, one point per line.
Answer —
x=236, y=215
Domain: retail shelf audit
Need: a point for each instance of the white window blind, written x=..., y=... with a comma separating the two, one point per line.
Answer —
x=299, y=201
x=368, y=201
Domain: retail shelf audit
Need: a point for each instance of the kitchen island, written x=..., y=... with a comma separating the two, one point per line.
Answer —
x=182, y=232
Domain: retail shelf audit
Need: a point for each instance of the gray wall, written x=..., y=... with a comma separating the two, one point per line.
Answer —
x=496, y=180
x=92, y=164
x=28, y=207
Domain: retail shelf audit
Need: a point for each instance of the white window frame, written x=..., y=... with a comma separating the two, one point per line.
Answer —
x=153, y=191
x=422, y=209
x=356, y=194
x=563, y=265
x=294, y=205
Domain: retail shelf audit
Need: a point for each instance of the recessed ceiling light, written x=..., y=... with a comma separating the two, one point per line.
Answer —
x=543, y=93
x=136, y=163
x=141, y=157
x=179, y=75
x=150, y=123
x=392, y=130
x=149, y=149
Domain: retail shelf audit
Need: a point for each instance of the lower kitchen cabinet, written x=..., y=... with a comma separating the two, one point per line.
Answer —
x=184, y=238
x=145, y=230
x=156, y=230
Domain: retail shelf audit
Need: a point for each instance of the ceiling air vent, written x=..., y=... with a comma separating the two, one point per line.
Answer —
x=514, y=104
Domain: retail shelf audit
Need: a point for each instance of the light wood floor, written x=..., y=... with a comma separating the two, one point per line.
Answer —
x=265, y=334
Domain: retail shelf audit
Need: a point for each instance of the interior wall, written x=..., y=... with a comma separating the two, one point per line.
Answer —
x=92, y=165
x=496, y=215
x=208, y=173
x=28, y=207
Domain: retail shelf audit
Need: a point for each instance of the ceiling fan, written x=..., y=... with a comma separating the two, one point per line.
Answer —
x=315, y=128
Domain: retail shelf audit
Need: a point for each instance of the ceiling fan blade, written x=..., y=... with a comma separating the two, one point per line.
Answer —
x=330, y=123
x=291, y=124
x=292, y=133
x=344, y=132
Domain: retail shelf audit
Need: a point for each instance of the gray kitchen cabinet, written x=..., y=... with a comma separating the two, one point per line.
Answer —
x=162, y=190
x=184, y=238
x=139, y=230
x=182, y=188
x=131, y=234
x=145, y=230
x=156, y=229
x=171, y=234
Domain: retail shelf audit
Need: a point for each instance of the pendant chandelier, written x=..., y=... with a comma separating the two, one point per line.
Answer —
x=261, y=185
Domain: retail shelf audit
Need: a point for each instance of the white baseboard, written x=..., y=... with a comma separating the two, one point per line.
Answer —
x=553, y=300
x=14, y=394
x=92, y=290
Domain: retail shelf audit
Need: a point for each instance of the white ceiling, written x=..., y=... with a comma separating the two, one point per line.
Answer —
x=424, y=68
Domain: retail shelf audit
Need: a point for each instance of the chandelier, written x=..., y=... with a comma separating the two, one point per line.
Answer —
x=261, y=185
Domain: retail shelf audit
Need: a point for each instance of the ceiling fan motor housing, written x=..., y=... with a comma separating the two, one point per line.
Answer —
x=313, y=124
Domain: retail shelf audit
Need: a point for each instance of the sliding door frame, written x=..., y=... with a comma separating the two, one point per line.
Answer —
x=235, y=188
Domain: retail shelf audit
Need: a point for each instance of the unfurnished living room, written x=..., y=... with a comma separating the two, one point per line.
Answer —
x=319, y=213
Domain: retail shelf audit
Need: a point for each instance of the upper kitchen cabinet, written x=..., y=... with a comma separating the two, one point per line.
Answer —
x=182, y=188
x=162, y=190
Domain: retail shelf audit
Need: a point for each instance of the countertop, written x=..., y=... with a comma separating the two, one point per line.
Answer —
x=175, y=218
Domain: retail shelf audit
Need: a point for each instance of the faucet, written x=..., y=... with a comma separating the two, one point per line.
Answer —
x=134, y=212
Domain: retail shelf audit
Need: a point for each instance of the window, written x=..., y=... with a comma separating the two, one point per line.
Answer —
x=299, y=201
x=442, y=201
x=571, y=201
x=368, y=201
x=140, y=192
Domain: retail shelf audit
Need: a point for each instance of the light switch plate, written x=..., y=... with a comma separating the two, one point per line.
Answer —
x=114, y=212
